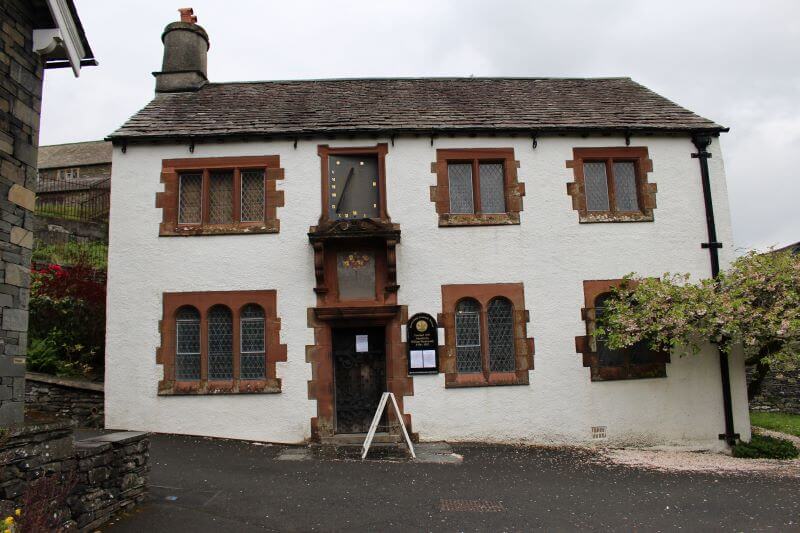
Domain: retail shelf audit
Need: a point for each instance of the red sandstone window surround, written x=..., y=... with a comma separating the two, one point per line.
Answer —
x=477, y=186
x=220, y=343
x=220, y=195
x=485, y=335
x=611, y=184
x=635, y=362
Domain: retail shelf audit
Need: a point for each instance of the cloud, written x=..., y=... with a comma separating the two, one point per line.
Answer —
x=732, y=62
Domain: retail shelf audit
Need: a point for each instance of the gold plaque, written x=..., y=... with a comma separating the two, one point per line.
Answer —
x=422, y=326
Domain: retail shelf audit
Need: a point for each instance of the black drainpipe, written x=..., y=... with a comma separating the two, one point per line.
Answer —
x=702, y=142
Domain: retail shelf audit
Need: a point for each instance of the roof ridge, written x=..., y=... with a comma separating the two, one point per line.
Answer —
x=427, y=78
x=102, y=141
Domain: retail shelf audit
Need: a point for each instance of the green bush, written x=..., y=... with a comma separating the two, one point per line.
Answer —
x=764, y=447
x=50, y=355
x=94, y=254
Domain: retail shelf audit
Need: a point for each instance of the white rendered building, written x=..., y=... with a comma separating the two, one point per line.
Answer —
x=260, y=289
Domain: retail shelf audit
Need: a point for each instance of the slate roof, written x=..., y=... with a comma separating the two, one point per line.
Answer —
x=74, y=154
x=410, y=105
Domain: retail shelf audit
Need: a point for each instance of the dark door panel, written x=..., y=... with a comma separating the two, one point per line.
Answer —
x=360, y=377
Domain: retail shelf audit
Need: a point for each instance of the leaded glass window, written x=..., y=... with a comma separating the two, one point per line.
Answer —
x=596, y=184
x=606, y=355
x=220, y=204
x=500, y=323
x=460, y=177
x=190, y=198
x=493, y=183
x=252, y=356
x=638, y=353
x=468, y=337
x=220, y=343
x=625, y=186
x=252, y=195
x=187, y=344
x=610, y=186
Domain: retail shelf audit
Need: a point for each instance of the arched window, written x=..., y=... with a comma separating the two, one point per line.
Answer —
x=252, y=342
x=500, y=322
x=187, y=344
x=220, y=343
x=468, y=336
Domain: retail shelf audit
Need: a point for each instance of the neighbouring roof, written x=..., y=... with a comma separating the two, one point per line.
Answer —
x=74, y=154
x=411, y=105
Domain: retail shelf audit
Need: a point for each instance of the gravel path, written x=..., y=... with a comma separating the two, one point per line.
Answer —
x=706, y=462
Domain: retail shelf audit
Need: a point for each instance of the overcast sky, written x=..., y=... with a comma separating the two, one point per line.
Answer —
x=735, y=62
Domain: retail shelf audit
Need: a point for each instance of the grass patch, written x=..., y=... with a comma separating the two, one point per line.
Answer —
x=93, y=253
x=783, y=422
x=763, y=447
x=71, y=212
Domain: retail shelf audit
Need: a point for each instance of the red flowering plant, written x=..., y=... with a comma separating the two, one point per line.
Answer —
x=67, y=320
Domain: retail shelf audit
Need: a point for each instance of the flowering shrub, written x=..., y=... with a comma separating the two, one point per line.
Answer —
x=67, y=320
x=10, y=522
x=755, y=304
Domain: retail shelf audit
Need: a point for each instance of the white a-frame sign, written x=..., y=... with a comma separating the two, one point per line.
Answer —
x=374, y=426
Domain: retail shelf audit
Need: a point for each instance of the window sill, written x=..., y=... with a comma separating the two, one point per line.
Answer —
x=496, y=379
x=498, y=219
x=617, y=373
x=271, y=226
x=590, y=218
x=212, y=388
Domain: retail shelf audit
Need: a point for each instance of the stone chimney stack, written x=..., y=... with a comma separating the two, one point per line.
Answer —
x=185, y=52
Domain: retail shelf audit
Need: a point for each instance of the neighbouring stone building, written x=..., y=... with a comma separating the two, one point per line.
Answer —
x=73, y=193
x=34, y=35
x=259, y=287
x=778, y=390
x=87, y=163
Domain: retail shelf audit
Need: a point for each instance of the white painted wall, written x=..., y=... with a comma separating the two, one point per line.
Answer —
x=550, y=252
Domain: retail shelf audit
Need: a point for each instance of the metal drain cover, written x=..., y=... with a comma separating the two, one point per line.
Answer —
x=475, y=506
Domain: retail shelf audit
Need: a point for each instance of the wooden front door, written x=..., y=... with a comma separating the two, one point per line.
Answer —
x=359, y=362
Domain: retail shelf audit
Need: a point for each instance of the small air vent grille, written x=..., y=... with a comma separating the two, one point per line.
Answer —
x=598, y=432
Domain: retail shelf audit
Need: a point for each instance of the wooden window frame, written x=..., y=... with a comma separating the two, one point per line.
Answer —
x=645, y=191
x=440, y=193
x=585, y=344
x=169, y=200
x=379, y=150
x=523, y=346
x=203, y=302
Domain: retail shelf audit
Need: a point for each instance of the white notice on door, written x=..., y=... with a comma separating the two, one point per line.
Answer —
x=417, y=359
x=362, y=343
x=429, y=358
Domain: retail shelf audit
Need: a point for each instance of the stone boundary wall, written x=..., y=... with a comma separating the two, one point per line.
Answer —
x=79, y=400
x=780, y=391
x=103, y=475
x=52, y=230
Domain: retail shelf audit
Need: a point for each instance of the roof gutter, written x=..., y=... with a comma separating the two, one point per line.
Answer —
x=702, y=142
x=627, y=132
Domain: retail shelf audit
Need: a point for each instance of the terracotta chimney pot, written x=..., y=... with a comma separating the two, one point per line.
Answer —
x=187, y=15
